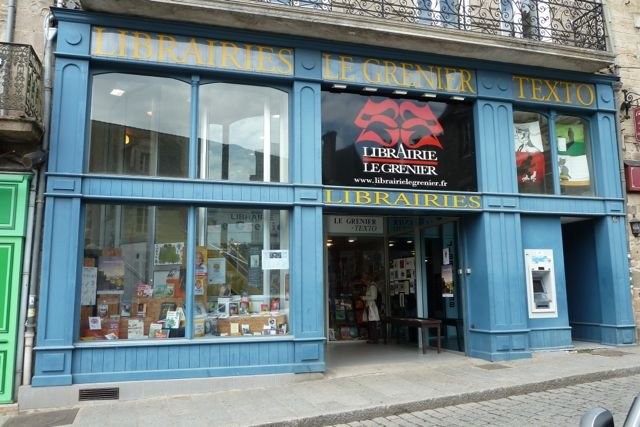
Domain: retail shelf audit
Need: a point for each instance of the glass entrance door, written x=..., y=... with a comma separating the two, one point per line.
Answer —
x=444, y=296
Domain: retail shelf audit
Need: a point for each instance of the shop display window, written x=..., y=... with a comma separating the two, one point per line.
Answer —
x=139, y=125
x=243, y=133
x=134, y=273
x=242, y=273
x=537, y=170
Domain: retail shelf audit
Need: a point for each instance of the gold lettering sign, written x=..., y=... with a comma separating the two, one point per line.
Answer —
x=373, y=71
x=554, y=91
x=164, y=48
x=401, y=199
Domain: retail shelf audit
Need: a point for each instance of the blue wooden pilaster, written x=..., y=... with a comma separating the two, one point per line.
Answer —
x=61, y=248
x=307, y=252
x=495, y=154
x=497, y=316
x=605, y=156
x=613, y=277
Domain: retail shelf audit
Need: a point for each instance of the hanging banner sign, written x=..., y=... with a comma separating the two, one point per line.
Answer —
x=375, y=141
x=194, y=51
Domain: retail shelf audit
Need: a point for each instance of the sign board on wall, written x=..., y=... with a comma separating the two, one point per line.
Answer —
x=636, y=122
x=376, y=141
x=348, y=224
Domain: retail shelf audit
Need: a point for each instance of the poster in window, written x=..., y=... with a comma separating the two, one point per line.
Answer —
x=275, y=259
x=530, y=161
x=89, y=284
x=110, y=274
x=255, y=269
x=168, y=253
x=572, y=155
x=447, y=281
x=216, y=271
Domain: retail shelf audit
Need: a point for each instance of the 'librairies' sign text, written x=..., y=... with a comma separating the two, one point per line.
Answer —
x=181, y=50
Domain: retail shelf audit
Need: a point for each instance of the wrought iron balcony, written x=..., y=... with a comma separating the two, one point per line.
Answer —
x=576, y=23
x=20, y=94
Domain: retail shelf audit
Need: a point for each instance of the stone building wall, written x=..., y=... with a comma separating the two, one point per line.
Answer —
x=624, y=27
x=29, y=22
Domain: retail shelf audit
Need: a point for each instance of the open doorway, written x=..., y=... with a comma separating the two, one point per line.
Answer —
x=414, y=262
x=352, y=262
x=582, y=284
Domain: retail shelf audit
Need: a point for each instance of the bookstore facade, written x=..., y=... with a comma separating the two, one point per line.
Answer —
x=211, y=193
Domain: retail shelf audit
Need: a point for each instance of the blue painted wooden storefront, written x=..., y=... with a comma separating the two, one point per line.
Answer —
x=493, y=237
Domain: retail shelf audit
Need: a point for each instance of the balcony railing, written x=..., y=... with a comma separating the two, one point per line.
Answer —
x=576, y=23
x=20, y=83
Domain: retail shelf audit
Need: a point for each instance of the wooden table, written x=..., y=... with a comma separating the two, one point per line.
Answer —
x=416, y=322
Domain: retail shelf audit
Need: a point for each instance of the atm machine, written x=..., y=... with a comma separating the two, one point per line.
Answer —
x=541, y=283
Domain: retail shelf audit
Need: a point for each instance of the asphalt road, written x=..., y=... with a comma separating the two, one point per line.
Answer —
x=558, y=407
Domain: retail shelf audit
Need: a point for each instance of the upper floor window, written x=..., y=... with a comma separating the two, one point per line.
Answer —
x=243, y=133
x=552, y=164
x=139, y=125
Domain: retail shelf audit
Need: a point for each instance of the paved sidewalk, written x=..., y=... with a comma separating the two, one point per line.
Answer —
x=354, y=388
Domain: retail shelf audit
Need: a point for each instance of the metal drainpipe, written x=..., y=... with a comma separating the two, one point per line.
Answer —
x=11, y=21
x=30, y=322
x=24, y=291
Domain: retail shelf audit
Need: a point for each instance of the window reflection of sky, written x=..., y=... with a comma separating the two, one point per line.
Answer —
x=235, y=115
x=151, y=103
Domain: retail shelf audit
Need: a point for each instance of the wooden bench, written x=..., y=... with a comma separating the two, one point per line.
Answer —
x=416, y=322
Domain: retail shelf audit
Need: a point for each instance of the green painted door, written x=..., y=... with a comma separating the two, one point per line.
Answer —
x=13, y=203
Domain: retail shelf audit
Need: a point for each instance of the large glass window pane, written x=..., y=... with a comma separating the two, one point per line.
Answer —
x=133, y=272
x=533, y=157
x=139, y=125
x=243, y=133
x=572, y=138
x=242, y=273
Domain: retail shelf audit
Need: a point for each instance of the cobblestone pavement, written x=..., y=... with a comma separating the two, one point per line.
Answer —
x=557, y=407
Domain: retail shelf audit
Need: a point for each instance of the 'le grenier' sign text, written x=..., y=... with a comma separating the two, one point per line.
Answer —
x=402, y=74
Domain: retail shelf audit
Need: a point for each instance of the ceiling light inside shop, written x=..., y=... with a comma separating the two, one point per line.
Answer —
x=457, y=98
x=117, y=92
x=339, y=86
x=351, y=239
x=429, y=95
x=400, y=92
x=370, y=89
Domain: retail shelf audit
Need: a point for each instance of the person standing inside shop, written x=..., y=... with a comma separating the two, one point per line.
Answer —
x=371, y=314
